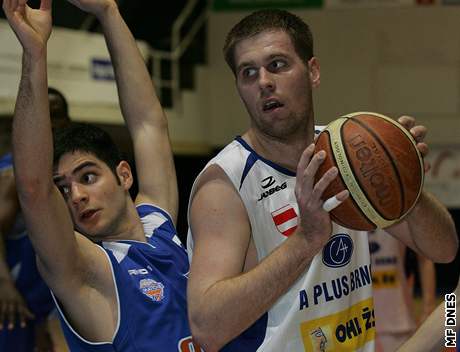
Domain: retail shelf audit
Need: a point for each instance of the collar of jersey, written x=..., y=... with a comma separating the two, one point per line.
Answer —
x=277, y=167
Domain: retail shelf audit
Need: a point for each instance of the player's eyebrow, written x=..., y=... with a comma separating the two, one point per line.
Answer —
x=57, y=178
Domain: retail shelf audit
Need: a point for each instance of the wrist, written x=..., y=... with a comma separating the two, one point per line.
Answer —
x=108, y=10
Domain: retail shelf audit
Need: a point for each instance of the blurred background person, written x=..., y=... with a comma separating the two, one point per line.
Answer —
x=393, y=291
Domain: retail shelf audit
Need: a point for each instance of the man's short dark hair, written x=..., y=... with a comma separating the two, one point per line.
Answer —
x=61, y=109
x=266, y=20
x=87, y=139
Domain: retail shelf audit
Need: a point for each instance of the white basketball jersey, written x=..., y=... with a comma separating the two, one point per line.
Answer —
x=330, y=307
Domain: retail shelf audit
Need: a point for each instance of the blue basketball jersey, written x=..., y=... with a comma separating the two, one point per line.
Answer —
x=151, y=280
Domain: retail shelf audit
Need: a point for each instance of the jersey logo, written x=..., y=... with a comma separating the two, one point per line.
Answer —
x=267, y=182
x=188, y=345
x=338, y=251
x=285, y=220
x=152, y=289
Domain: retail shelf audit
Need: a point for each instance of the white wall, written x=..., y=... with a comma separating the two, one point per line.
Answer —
x=389, y=60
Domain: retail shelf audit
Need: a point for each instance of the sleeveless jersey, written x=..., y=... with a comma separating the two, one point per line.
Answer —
x=150, y=279
x=329, y=307
x=20, y=258
x=391, y=292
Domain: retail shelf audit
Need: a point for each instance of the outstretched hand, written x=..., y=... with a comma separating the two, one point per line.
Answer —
x=31, y=26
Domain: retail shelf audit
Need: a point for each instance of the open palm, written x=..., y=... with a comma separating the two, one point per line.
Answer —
x=32, y=26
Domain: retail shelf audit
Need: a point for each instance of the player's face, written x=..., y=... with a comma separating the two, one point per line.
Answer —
x=275, y=84
x=96, y=200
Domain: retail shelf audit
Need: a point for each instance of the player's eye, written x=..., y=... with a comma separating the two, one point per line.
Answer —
x=89, y=178
x=277, y=64
x=249, y=72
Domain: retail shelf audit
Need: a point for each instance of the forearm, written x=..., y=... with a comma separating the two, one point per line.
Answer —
x=138, y=100
x=32, y=140
x=433, y=230
x=234, y=304
x=430, y=336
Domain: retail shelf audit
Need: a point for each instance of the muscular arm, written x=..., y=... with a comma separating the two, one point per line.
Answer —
x=221, y=291
x=429, y=230
x=142, y=111
x=68, y=262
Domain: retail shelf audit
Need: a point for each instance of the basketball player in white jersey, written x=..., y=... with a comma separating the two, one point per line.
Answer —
x=269, y=271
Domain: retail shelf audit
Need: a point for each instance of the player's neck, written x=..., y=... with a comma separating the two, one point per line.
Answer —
x=128, y=227
x=284, y=152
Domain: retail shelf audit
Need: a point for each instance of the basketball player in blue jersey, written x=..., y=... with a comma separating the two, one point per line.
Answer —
x=116, y=268
x=269, y=270
x=25, y=300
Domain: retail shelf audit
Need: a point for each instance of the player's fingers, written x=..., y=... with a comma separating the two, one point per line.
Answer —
x=423, y=149
x=323, y=183
x=11, y=315
x=305, y=159
x=24, y=315
x=419, y=132
x=407, y=121
x=333, y=202
x=310, y=172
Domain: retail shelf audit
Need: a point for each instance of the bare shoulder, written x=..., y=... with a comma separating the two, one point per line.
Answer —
x=219, y=225
x=214, y=190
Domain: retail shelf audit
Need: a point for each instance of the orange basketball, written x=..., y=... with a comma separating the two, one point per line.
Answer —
x=378, y=163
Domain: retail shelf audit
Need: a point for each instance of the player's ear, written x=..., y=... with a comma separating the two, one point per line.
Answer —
x=314, y=71
x=124, y=174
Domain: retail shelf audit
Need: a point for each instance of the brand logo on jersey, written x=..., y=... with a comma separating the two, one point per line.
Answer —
x=141, y=271
x=338, y=251
x=272, y=190
x=188, y=345
x=285, y=219
x=152, y=289
x=268, y=181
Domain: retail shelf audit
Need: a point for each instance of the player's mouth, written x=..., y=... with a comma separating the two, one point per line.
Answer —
x=88, y=215
x=271, y=105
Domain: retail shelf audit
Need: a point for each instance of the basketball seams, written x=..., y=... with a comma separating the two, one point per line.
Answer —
x=349, y=177
x=392, y=162
x=351, y=199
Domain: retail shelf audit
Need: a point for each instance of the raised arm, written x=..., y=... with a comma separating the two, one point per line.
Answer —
x=429, y=228
x=141, y=109
x=224, y=267
x=47, y=218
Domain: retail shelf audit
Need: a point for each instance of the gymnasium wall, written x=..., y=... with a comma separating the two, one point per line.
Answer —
x=390, y=60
